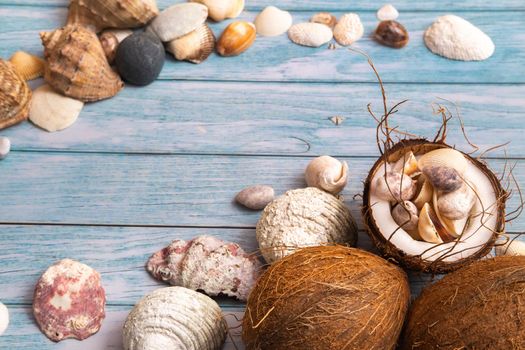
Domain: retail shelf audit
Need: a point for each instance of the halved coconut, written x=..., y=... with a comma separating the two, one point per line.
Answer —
x=477, y=239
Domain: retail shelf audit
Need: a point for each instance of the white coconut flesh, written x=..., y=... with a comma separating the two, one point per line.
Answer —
x=478, y=232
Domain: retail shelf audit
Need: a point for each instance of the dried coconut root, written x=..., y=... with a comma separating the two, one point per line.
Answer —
x=206, y=263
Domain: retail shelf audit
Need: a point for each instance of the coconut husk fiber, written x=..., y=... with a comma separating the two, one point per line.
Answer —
x=329, y=297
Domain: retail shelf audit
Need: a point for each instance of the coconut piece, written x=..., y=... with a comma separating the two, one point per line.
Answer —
x=273, y=21
x=348, y=29
x=4, y=318
x=255, y=197
x=387, y=13
x=5, y=147
x=327, y=298
x=512, y=247
x=327, y=174
x=69, y=301
x=310, y=34
x=453, y=37
x=178, y=20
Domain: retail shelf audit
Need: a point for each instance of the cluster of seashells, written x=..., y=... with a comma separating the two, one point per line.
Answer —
x=430, y=197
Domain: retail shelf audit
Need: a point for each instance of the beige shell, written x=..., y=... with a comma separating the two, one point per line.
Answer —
x=425, y=193
x=456, y=205
x=195, y=46
x=327, y=174
x=219, y=10
x=52, y=111
x=348, y=29
x=324, y=18
x=110, y=39
x=447, y=157
x=426, y=228
x=174, y=318
x=406, y=215
x=102, y=14
x=310, y=34
x=453, y=227
x=15, y=96
x=513, y=247
x=28, y=66
x=394, y=187
x=387, y=13
x=273, y=21
x=236, y=38
x=407, y=164
x=77, y=66
x=178, y=20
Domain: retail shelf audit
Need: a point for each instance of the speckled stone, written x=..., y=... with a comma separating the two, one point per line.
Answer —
x=140, y=58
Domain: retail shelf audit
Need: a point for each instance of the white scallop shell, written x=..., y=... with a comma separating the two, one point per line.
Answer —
x=310, y=34
x=387, y=13
x=455, y=38
x=512, y=247
x=273, y=21
x=348, y=29
x=178, y=20
x=4, y=318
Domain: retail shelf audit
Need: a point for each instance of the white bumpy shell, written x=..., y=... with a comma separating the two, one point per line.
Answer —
x=175, y=318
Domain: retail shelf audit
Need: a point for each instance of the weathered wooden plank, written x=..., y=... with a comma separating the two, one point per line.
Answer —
x=271, y=118
x=277, y=59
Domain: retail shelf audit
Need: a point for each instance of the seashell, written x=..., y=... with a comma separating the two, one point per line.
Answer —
x=4, y=318
x=348, y=29
x=69, y=301
x=140, y=58
x=456, y=205
x=391, y=33
x=324, y=18
x=195, y=46
x=174, y=318
x=406, y=215
x=28, y=66
x=448, y=157
x=430, y=228
x=272, y=21
x=513, y=248
x=455, y=38
x=443, y=178
x=52, y=111
x=236, y=38
x=5, y=147
x=14, y=96
x=425, y=193
x=310, y=34
x=454, y=227
x=102, y=14
x=219, y=10
x=110, y=39
x=394, y=187
x=387, y=13
x=407, y=164
x=178, y=20
x=77, y=66
x=255, y=197
x=327, y=174
x=207, y=264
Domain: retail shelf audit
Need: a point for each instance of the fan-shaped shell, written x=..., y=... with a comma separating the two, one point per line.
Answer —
x=15, y=96
x=310, y=34
x=195, y=46
x=77, y=66
x=178, y=20
x=29, y=66
x=101, y=14
x=219, y=10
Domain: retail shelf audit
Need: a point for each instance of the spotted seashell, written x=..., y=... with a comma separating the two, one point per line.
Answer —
x=15, y=96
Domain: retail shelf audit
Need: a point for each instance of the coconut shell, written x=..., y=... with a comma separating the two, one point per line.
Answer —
x=413, y=262
x=15, y=96
x=329, y=297
x=480, y=306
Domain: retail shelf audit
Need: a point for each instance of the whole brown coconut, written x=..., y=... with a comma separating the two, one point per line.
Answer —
x=481, y=306
x=329, y=297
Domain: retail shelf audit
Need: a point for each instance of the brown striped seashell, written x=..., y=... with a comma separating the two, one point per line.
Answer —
x=77, y=66
x=101, y=14
x=28, y=66
x=15, y=96
x=194, y=47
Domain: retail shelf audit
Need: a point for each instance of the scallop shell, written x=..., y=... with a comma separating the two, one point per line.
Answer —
x=77, y=66
x=273, y=21
x=387, y=13
x=195, y=46
x=178, y=20
x=14, y=96
x=310, y=34
x=174, y=318
x=447, y=157
x=219, y=10
x=102, y=14
x=52, y=111
x=512, y=247
x=28, y=66
x=324, y=18
x=348, y=29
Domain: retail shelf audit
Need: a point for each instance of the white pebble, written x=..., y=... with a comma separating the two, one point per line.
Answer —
x=387, y=13
x=4, y=318
x=5, y=147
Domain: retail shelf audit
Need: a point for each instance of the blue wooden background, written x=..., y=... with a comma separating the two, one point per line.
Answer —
x=164, y=162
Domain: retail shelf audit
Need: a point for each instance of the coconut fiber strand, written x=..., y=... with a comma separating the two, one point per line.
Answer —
x=324, y=298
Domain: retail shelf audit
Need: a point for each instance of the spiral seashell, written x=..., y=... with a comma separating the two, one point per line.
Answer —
x=77, y=65
x=15, y=96
x=174, y=318
x=327, y=174
x=194, y=47
x=219, y=10
x=394, y=187
x=102, y=14
x=28, y=66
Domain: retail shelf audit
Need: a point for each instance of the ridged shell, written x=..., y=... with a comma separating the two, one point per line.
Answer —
x=77, y=66
x=102, y=14
x=446, y=157
x=174, y=318
x=512, y=247
x=178, y=20
x=219, y=10
x=310, y=34
x=394, y=187
x=348, y=29
x=273, y=21
x=195, y=46
x=28, y=66
x=15, y=96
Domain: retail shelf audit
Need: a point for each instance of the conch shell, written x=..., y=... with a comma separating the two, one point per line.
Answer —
x=102, y=14
x=77, y=65
x=15, y=96
x=30, y=67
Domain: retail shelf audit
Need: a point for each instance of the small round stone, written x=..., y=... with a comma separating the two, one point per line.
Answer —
x=140, y=58
x=5, y=147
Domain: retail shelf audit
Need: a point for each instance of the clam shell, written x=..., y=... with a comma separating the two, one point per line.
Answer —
x=425, y=193
x=455, y=38
x=310, y=34
x=195, y=46
x=77, y=66
x=52, y=111
x=101, y=14
x=236, y=38
x=348, y=29
x=178, y=20
x=14, y=96
x=447, y=157
x=28, y=66
x=273, y=21
x=456, y=205
x=324, y=18
x=387, y=13
x=219, y=10
x=512, y=247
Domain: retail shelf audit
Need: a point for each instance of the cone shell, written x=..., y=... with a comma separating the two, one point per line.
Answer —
x=77, y=66
x=101, y=14
x=195, y=46
x=15, y=96
x=28, y=66
x=219, y=10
